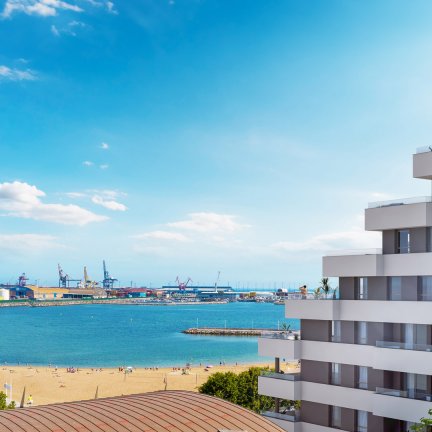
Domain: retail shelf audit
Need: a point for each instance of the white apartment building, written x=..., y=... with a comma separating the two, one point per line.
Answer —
x=366, y=356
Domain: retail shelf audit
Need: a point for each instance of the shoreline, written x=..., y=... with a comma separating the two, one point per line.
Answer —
x=50, y=385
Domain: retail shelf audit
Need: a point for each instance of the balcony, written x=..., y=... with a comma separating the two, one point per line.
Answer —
x=287, y=420
x=408, y=405
x=285, y=347
x=402, y=357
x=422, y=163
x=404, y=312
x=352, y=263
x=282, y=386
x=400, y=213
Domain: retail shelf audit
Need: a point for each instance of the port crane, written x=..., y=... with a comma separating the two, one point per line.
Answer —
x=22, y=280
x=108, y=281
x=64, y=279
x=182, y=285
x=87, y=282
x=217, y=280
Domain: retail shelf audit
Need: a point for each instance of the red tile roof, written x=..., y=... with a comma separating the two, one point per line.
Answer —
x=173, y=411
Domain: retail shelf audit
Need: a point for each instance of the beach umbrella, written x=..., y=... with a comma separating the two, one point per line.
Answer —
x=22, y=404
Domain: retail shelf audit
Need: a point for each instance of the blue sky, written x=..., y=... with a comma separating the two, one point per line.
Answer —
x=185, y=137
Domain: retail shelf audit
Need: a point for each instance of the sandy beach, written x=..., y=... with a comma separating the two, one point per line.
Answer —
x=48, y=385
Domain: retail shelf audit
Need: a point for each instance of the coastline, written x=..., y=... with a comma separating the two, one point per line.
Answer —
x=50, y=385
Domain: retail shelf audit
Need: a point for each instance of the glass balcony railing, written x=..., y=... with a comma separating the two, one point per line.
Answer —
x=400, y=201
x=408, y=394
x=311, y=295
x=290, y=416
x=424, y=149
x=282, y=334
x=344, y=252
x=404, y=346
x=281, y=375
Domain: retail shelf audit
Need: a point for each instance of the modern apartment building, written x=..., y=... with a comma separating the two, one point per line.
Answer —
x=366, y=353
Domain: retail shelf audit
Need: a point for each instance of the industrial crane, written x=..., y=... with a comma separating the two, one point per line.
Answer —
x=217, y=280
x=108, y=281
x=87, y=282
x=22, y=280
x=182, y=285
x=64, y=279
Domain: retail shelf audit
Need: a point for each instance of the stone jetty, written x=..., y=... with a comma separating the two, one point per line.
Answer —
x=214, y=331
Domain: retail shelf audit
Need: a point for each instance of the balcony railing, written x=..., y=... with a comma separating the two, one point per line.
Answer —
x=286, y=335
x=281, y=375
x=424, y=149
x=400, y=201
x=404, y=346
x=345, y=252
x=408, y=394
x=291, y=416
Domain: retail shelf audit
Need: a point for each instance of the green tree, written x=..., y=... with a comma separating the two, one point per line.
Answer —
x=325, y=286
x=425, y=424
x=3, y=404
x=241, y=389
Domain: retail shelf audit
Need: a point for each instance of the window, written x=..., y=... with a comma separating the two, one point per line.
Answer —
x=425, y=288
x=362, y=421
x=395, y=288
x=361, y=332
x=362, y=377
x=429, y=239
x=362, y=288
x=336, y=374
x=336, y=417
x=336, y=331
x=403, y=241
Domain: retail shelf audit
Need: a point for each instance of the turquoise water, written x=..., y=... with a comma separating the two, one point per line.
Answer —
x=113, y=335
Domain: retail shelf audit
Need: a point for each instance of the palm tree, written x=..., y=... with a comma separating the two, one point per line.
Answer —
x=325, y=286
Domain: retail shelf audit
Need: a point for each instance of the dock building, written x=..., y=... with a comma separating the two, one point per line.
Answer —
x=365, y=353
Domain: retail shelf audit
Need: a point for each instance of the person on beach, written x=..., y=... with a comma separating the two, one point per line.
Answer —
x=30, y=400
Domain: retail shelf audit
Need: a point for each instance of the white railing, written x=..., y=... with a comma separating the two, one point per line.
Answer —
x=409, y=394
x=404, y=346
x=424, y=149
x=400, y=201
x=344, y=252
x=291, y=416
x=282, y=334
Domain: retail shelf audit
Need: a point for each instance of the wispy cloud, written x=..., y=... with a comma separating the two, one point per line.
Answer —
x=104, y=146
x=162, y=235
x=69, y=29
x=42, y=8
x=22, y=200
x=111, y=8
x=104, y=166
x=109, y=204
x=208, y=222
x=11, y=74
x=28, y=242
x=88, y=163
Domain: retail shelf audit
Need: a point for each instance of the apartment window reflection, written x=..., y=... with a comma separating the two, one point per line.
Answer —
x=362, y=288
x=336, y=374
x=362, y=380
x=403, y=241
x=361, y=332
x=395, y=288
x=362, y=421
x=336, y=331
x=425, y=288
x=336, y=417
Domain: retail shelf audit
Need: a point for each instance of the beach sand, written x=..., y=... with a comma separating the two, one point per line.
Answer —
x=47, y=385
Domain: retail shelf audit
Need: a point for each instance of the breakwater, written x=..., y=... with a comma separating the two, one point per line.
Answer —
x=74, y=302
x=214, y=331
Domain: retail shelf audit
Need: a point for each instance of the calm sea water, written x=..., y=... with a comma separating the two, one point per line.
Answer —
x=113, y=335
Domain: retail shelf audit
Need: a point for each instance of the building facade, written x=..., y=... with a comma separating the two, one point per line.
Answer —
x=366, y=352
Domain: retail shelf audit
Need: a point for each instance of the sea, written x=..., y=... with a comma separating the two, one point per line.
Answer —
x=132, y=335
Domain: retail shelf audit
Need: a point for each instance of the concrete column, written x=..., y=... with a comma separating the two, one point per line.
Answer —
x=277, y=364
x=277, y=405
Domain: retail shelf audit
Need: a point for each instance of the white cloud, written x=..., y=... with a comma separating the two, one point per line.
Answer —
x=11, y=74
x=104, y=166
x=162, y=235
x=104, y=146
x=28, y=242
x=69, y=29
x=55, y=31
x=75, y=195
x=88, y=163
x=23, y=200
x=42, y=8
x=208, y=222
x=111, y=8
x=108, y=204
